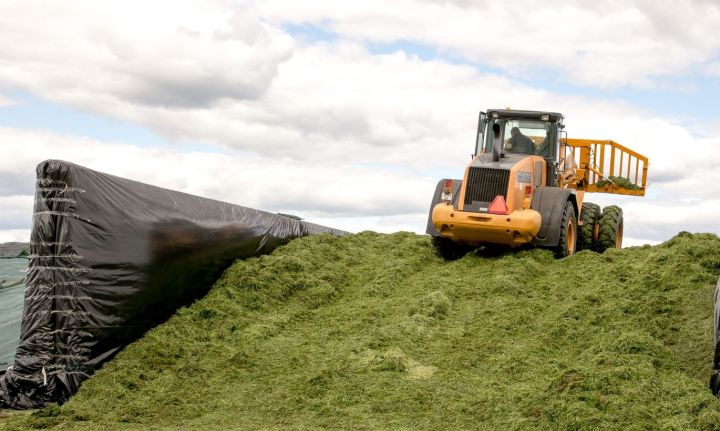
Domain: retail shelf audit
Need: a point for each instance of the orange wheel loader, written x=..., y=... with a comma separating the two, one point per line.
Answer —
x=526, y=184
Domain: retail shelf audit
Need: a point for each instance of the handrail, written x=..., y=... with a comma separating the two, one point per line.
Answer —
x=623, y=171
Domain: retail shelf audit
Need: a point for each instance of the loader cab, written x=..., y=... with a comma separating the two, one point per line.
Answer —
x=521, y=132
x=542, y=128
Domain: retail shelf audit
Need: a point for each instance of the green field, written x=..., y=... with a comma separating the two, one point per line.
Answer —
x=375, y=332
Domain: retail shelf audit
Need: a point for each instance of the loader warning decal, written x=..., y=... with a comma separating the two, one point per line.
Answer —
x=524, y=177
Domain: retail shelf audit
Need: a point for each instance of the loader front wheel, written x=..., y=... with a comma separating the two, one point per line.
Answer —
x=610, y=231
x=448, y=249
x=588, y=231
x=568, y=233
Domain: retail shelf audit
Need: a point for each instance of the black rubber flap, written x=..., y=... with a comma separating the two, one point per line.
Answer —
x=110, y=259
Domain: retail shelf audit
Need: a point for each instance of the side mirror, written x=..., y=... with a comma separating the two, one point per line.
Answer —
x=497, y=143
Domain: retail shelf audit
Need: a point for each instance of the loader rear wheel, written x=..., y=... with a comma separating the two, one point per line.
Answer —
x=568, y=233
x=588, y=231
x=448, y=249
x=610, y=231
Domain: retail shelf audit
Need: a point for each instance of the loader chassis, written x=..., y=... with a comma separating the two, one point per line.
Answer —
x=527, y=188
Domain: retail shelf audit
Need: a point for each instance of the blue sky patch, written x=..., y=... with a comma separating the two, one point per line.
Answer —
x=31, y=112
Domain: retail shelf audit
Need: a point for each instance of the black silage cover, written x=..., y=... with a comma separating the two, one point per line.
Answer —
x=715, y=377
x=111, y=258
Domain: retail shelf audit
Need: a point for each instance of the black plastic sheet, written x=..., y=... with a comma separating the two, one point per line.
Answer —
x=110, y=259
x=715, y=377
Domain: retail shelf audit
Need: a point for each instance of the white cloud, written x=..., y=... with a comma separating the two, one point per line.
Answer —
x=341, y=102
x=5, y=101
x=713, y=69
x=336, y=100
x=656, y=218
x=634, y=242
x=602, y=44
x=16, y=212
x=414, y=222
x=327, y=101
x=14, y=235
x=176, y=54
x=270, y=184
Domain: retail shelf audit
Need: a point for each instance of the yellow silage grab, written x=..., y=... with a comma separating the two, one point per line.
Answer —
x=604, y=167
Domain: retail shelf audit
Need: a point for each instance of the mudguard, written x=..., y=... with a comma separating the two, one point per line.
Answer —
x=550, y=203
x=430, y=230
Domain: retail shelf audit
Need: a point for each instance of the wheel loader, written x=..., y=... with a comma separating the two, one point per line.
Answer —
x=526, y=185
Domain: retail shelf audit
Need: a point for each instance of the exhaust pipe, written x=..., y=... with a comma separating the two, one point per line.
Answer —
x=497, y=143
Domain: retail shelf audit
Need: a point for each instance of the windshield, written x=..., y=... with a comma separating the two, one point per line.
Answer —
x=524, y=137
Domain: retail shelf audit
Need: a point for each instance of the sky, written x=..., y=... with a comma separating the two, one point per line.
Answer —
x=347, y=113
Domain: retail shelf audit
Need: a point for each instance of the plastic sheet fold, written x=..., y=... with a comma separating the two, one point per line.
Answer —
x=112, y=258
x=715, y=376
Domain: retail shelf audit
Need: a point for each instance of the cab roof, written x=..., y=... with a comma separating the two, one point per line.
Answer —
x=535, y=115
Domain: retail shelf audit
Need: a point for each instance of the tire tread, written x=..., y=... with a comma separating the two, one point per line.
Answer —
x=560, y=249
x=610, y=221
x=590, y=215
x=448, y=249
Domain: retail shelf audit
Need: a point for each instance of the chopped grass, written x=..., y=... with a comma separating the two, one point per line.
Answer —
x=618, y=181
x=375, y=332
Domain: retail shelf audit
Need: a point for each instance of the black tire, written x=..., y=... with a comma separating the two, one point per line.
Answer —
x=715, y=383
x=448, y=249
x=589, y=215
x=568, y=233
x=610, y=229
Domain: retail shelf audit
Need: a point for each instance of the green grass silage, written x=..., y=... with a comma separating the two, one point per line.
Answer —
x=375, y=332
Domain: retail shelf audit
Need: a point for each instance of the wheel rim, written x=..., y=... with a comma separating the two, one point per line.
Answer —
x=596, y=232
x=619, y=235
x=570, y=237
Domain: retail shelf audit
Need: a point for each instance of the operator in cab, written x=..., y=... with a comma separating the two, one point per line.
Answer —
x=519, y=143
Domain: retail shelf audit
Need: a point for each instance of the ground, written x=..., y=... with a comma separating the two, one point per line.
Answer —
x=14, y=249
x=376, y=332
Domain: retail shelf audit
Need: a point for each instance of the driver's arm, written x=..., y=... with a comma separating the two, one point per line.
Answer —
x=508, y=146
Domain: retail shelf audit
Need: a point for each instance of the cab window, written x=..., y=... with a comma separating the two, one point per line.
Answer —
x=524, y=137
